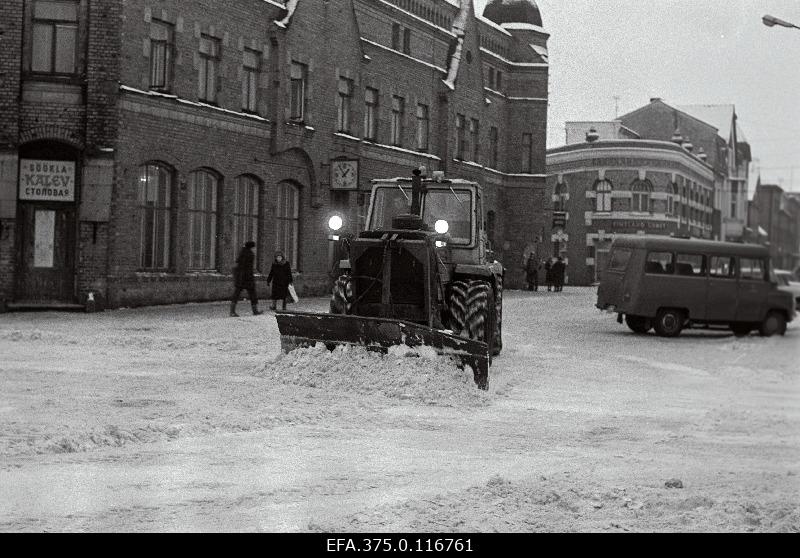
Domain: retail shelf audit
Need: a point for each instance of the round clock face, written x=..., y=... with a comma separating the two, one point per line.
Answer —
x=344, y=174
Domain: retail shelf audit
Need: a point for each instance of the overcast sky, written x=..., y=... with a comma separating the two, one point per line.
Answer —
x=686, y=52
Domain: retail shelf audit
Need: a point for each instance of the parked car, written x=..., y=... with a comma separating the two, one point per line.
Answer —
x=669, y=284
x=787, y=282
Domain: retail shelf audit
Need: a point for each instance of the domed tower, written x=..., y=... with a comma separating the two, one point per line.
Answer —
x=513, y=11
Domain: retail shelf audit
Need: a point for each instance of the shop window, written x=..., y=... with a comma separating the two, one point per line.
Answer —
x=246, y=212
x=288, y=221
x=54, y=37
x=202, y=210
x=154, y=201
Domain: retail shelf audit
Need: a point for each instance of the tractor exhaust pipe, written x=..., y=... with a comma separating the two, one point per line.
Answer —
x=417, y=189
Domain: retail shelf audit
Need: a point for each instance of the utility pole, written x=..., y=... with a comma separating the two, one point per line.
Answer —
x=616, y=106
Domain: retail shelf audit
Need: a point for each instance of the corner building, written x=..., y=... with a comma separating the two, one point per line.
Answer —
x=143, y=141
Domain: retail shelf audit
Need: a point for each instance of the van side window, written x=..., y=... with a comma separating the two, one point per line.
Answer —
x=722, y=267
x=659, y=262
x=691, y=265
x=752, y=270
x=619, y=259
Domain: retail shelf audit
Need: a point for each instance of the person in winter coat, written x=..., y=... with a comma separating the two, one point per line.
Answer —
x=243, y=278
x=559, y=269
x=548, y=273
x=281, y=277
x=532, y=272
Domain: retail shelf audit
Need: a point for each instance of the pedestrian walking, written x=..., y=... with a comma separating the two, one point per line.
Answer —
x=280, y=275
x=559, y=270
x=243, y=279
x=548, y=273
x=532, y=266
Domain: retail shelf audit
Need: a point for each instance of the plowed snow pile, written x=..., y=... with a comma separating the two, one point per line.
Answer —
x=407, y=374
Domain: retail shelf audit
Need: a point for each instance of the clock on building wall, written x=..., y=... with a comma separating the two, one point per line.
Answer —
x=344, y=174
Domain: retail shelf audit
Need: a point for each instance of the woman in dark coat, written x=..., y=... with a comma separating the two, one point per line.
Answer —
x=281, y=277
x=243, y=278
x=548, y=273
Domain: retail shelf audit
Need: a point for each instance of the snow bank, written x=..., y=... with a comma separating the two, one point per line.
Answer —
x=417, y=375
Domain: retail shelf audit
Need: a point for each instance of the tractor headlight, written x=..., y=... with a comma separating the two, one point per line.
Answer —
x=335, y=223
x=441, y=243
x=441, y=226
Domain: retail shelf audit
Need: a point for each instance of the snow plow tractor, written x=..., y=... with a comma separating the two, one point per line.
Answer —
x=421, y=274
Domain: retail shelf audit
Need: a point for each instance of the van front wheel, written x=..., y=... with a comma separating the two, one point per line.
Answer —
x=669, y=322
x=638, y=324
x=774, y=323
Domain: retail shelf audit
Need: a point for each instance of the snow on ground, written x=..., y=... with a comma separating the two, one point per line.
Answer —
x=179, y=418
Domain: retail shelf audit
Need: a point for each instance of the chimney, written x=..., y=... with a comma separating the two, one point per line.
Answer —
x=592, y=135
x=654, y=99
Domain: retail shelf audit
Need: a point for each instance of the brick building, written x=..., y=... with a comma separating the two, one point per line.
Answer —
x=777, y=213
x=605, y=187
x=142, y=141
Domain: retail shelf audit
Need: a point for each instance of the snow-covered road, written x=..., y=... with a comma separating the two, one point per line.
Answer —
x=179, y=418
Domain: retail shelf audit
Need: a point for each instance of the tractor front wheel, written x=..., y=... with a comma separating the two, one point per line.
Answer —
x=480, y=314
x=342, y=296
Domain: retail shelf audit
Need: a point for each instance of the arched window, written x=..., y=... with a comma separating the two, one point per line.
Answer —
x=603, y=191
x=246, y=212
x=202, y=208
x=640, y=198
x=288, y=221
x=154, y=201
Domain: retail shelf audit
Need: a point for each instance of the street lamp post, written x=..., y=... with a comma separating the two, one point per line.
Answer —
x=772, y=21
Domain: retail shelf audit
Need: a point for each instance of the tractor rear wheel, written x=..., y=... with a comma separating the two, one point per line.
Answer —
x=457, y=306
x=498, y=318
x=342, y=296
x=480, y=315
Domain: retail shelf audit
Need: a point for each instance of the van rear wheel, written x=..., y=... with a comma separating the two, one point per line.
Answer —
x=638, y=324
x=669, y=322
x=773, y=324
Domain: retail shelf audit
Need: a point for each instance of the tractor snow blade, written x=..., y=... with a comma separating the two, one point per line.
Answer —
x=304, y=329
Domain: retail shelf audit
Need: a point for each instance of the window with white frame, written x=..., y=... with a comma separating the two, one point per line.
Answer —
x=603, y=190
x=343, y=104
x=54, y=37
x=251, y=68
x=297, y=91
x=162, y=45
x=154, y=207
x=398, y=115
x=423, y=127
x=288, y=221
x=202, y=210
x=640, y=195
x=371, y=114
x=208, y=69
x=246, y=212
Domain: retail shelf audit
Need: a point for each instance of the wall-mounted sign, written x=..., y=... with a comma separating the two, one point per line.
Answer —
x=46, y=180
x=344, y=174
x=635, y=224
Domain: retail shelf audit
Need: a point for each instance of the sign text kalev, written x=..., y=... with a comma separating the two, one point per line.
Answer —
x=46, y=180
